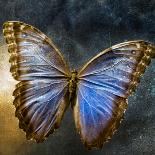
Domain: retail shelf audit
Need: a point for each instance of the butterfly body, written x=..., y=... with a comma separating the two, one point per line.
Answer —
x=72, y=84
x=98, y=91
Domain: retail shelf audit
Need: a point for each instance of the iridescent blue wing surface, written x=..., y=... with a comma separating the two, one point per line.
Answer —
x=104, y=84
x=41, y=96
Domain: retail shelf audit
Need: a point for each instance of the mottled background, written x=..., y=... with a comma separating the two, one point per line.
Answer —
x=81, y=29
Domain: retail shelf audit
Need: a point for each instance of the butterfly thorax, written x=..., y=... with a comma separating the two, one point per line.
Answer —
x=72, y=83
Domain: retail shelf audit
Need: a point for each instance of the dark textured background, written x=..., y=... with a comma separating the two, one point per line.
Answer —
x=81, y=29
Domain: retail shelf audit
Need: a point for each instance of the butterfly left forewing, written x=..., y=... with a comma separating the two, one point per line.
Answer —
x=104, y=84
x=41, y=96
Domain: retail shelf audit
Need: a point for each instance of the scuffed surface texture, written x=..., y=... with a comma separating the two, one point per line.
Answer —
x=81, y=29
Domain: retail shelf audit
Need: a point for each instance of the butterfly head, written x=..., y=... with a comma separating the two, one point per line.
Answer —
x=74, y=72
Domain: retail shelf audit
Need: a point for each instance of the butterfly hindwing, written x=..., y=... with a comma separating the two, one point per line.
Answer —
x=40, y=105
x=41, y=96
x=104, y=84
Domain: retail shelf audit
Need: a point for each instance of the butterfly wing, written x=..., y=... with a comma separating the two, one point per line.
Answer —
x=104, y=84
x=41, y=96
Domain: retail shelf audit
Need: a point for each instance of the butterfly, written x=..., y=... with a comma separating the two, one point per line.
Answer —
x=97, y=92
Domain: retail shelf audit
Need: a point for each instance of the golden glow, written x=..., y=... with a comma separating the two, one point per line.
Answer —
x=7, y=83
x=11, y=138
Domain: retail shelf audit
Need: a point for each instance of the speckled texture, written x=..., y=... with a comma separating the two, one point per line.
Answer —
x=81, y=29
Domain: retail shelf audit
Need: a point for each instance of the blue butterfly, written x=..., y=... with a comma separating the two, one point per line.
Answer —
x=98, y=92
